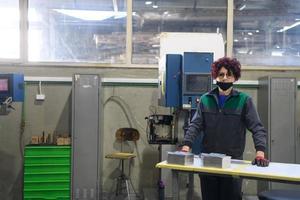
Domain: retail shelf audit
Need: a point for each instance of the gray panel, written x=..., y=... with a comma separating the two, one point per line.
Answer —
x=283, y=120
x=282, y=137
x=297, y=143
x=85, y=137
x=277, y=107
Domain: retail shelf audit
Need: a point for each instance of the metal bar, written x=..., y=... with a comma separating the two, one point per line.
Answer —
x=129, y=32
x=125, y=80
x=118, y=80
x=23, y=31
x=103, y=80
x=229, y=44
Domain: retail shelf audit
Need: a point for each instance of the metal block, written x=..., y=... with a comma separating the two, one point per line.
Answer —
x=180, y=158
x=216, y=160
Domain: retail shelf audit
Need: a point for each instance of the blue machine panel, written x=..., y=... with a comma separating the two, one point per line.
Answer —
x=196, y=80
x=18, y=91
x=197, y=62
x=12, y=85
x=196, y=77
x=173, y=80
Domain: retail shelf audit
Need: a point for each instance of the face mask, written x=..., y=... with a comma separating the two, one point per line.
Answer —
x=224, y=86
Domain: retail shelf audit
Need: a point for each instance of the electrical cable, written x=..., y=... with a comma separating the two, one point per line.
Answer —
x=129, y=116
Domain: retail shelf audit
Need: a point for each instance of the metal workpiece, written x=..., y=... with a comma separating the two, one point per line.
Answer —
x=180, y=158
x=216, y=160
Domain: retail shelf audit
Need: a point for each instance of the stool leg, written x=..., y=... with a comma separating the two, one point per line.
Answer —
x=127, y=188
x=118, y=186
x=124, y=179
x=130, y=182
x=120, y=179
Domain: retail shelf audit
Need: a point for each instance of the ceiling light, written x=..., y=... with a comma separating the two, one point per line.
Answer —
x=277, y=53
x=249, y=33
x=242, y=7
x=155, y=45
x=148, y=2
x=154, y=6
x=285, y=28
x=235, y=40
x=257, y=31
x=242, y=51
x=91, y=15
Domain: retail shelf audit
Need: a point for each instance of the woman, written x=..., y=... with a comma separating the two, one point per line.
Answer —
x=223, y=115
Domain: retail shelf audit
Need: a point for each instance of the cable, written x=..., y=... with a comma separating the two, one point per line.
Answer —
x=129, y=116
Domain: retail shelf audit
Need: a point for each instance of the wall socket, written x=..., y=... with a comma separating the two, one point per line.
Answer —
x=40, y=97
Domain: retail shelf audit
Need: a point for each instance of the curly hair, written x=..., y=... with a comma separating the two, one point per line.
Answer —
x=231, y=64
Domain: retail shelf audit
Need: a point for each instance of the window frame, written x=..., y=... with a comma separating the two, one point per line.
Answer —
x=23, y=60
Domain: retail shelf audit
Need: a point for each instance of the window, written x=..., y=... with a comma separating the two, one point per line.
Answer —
x=77, y=31
x=267, y=32
x=150, y=18
x=9, y=29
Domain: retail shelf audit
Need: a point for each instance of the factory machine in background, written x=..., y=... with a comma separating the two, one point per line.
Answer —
x=184, y=75
x=196, y=78
x=183, y=80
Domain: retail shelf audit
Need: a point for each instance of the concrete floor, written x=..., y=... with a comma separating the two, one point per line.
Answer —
x=250, y=198
x=151, y=194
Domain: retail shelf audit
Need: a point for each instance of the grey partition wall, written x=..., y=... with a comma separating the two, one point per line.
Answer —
x=86, y=163
x=276, y=104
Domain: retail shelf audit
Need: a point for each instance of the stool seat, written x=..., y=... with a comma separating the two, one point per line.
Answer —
x=279, y=195
x=120, y=155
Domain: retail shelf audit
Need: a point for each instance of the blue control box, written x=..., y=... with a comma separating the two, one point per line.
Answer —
x=196, y=77
x=170, y=81
x=12, y=85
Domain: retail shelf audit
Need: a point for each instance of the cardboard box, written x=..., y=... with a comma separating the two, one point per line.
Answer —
x=35, y=139
x=67, y=141
x=63, y=141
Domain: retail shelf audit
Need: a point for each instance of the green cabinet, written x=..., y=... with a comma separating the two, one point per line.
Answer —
x=47, y=172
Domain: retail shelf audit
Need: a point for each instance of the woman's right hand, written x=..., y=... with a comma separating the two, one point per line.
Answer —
x=185, y=148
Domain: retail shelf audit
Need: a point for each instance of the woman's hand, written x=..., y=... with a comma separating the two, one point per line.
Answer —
x=185, y=148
